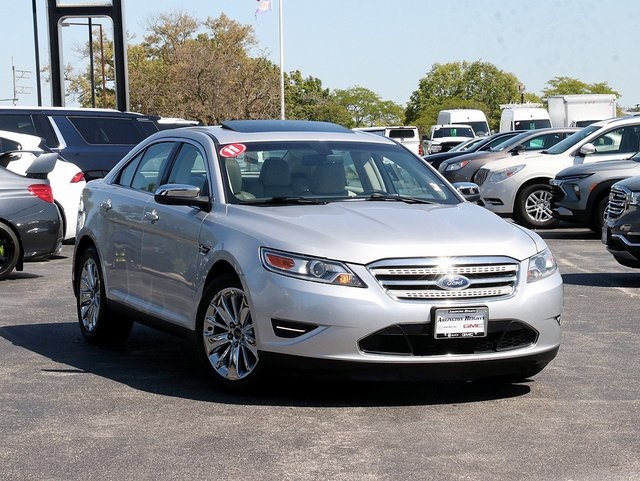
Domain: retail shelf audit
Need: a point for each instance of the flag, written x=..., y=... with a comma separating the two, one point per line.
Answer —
x=263, y=6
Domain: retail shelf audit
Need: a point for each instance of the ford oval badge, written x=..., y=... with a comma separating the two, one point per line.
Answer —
x=453, y=282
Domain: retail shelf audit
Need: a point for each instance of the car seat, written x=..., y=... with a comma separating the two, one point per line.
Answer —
x=235, y=179
x=275, y=178
x=329, y=178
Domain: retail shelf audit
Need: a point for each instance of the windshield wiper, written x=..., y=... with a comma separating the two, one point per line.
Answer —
x=288, y=200
x=397, y=197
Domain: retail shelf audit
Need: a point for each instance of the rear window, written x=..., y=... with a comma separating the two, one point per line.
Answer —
x=402, y=133
x=106, y=130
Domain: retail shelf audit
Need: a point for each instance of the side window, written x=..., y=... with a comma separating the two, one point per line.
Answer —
x=107, y=130
x=622, y=140
x=22, y=124
x=126, y=174
x=189, y=168
x=149, y=171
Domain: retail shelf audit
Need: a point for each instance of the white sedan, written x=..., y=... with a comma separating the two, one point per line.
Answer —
x=17, y=153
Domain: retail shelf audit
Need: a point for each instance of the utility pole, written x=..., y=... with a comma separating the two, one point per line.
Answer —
x=17, y=76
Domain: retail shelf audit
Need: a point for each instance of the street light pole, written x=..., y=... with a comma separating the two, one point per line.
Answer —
x=92, y=77
x=102, y=62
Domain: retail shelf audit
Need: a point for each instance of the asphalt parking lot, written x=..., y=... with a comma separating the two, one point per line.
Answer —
x=71, y=411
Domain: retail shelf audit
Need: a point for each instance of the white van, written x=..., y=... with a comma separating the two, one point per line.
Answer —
x=407, y=135
x=475, y=118
x=523, y=117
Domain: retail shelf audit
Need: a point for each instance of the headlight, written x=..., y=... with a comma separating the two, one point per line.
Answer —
x=575, y=177
x=634, y=198
x=309, y=268
x=456, y=165
x=503, y=174
x=542, y=265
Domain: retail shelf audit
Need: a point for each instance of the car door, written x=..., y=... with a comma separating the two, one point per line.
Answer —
x=170, y=247
x=124, y=207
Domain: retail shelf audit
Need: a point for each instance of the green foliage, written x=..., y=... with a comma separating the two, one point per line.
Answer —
x=448, y=85
x=367, y=109
x=571, y=86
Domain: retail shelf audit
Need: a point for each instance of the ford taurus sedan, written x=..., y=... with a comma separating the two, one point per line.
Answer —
x=305, y=245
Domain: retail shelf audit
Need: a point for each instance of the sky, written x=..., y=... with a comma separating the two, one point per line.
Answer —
x=385, y=46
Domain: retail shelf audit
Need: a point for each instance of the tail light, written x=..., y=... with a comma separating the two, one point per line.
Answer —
x=41, y=191
x=79, y=177
x=420, y=150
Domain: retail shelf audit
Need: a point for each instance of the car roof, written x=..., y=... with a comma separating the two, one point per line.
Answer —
x=68, y=111
x=273, y=130
x=23, y=139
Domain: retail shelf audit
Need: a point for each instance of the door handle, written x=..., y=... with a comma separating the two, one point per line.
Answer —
x=106, y=205
x=151, y=216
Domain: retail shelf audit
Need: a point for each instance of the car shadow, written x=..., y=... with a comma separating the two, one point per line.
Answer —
x=15, y=275
x=603, y=279
x=159, y=363
x=568, y=234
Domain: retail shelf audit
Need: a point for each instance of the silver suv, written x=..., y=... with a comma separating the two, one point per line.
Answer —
x=308, y=245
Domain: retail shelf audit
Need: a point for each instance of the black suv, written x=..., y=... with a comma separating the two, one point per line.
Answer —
x=622, y=222
x=93, y=139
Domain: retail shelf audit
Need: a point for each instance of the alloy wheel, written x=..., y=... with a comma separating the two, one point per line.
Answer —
x=228, y=335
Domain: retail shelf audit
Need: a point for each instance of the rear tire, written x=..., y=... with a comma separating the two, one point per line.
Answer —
x=225, y=335
x=97, y=323
x=9, y=250
x=533, y=207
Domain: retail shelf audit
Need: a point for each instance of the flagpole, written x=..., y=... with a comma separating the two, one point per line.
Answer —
x=282, y=116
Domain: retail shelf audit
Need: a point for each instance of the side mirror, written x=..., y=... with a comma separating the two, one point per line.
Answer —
x=181, y=194
x=587, y=149
x=517, y=149
x=468, y=190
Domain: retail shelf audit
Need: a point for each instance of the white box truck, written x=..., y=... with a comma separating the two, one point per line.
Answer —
x=475, y=118
x=526, y=116
x=580, y=110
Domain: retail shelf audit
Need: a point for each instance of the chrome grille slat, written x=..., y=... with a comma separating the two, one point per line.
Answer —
x=418, y=279
x=618, y=202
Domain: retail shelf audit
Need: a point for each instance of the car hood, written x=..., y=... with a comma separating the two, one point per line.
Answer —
x=596, y=167
x=365, y=231
x=511, y=160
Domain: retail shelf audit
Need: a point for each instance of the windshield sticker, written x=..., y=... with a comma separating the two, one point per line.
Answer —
x=232, y=150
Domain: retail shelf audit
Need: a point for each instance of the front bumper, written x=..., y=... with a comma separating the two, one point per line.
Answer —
x=498, y=197
x=340, y=318
x=622, y=238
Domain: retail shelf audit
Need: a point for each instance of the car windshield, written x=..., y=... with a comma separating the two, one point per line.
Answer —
x=452, y=132
x=572, y=140
x=276, y=173
x=480, y=128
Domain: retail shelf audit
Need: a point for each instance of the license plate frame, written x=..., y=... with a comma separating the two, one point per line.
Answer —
x=460, y=322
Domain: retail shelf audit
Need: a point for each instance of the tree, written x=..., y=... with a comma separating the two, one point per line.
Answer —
x=569, y=86
x=452, y=84
x=367, y=109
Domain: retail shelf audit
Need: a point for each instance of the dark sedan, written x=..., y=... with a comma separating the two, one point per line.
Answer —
x=30, y=226
x=483, y=145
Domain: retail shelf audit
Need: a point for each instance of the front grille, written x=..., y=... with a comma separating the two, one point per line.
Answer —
x=422, y=279
x=557, y=194
x=418, y=340
x=618, y=202
x=481, y=176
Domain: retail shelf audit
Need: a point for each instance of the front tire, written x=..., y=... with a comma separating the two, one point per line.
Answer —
x=97, y=323
x=597, y=219
x=225, y=335
x=533, y=207
x=9, y=250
